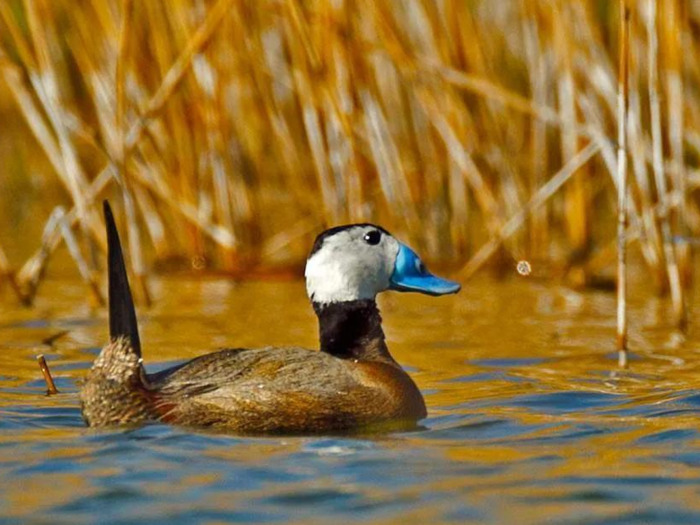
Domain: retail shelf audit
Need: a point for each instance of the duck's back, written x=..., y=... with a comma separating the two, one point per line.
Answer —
x=284, y=390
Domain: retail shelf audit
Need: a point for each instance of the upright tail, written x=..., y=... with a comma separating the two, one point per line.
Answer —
x=122, y=315
x=116, y=390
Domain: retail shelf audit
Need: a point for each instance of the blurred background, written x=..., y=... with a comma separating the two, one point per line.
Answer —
x=228, y=133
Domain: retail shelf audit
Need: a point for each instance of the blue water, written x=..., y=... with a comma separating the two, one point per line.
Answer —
x=530, y=420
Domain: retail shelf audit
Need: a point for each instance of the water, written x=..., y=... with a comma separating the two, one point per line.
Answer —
x=529, y=420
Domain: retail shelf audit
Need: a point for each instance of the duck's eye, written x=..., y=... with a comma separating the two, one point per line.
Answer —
x=372, y=237
x=420, y=266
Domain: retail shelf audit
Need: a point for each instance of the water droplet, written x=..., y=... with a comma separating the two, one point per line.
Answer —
x=524, y=268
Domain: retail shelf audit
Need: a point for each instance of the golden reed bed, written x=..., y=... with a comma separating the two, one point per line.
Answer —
x=230, y=132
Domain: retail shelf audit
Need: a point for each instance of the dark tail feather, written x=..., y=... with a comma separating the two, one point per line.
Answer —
x=122, y=315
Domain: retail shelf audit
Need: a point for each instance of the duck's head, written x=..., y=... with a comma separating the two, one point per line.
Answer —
x=356, y=262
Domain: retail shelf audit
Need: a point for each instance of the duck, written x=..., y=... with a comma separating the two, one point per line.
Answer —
x=349, y=383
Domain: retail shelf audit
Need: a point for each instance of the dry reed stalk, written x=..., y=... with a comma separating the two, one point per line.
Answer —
x=446, y=203
x=461, y=157
x=428, y=159
x=135, y=252
x=284, y=239
x=675, y=285
x=44, y=367
x=487, y=89
x=30, y=274
x=674, y=32
x=147, y=178
x=463, y=174
x=607, y=254
x=122, y=159
x=263, y=85
x=46, y=86
x=120, y=109
x=8, y=273
x=652, y=248
x=100, y=86
x=386, y=156
x=537, y=76
x=44, y=136
x=341, y=159
x=340, y=107
x=175, y=75
x=154, y=223
x=74, y=249
x=494, y=131
x=32, y=271
x=13, y=79
x=537, y=200
x=649, y=250
x=214, y=158
x=576, y=193
x=341, y=110
x=593, y=114
x=177, y=70
x=312, y=124
x=5, y=268
x=622, y=185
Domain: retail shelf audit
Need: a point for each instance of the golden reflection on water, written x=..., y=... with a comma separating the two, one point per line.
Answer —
x=529, y=417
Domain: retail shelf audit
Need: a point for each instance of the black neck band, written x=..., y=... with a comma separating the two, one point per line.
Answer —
x=352, y=330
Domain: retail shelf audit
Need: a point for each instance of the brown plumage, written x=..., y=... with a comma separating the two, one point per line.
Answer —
x=261, y=390
x=353, y=382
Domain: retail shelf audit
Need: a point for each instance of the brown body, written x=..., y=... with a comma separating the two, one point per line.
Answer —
x=290, y=390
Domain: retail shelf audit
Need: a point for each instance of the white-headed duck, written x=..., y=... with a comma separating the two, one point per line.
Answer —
x=351, y=383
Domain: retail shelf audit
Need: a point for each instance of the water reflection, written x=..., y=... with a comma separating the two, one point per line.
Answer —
x=529, y=419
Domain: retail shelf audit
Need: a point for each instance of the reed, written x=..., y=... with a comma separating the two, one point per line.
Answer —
x=230, y=132
x=8, y=273
x=660, y=176
x=44, y=367
x=622, y=103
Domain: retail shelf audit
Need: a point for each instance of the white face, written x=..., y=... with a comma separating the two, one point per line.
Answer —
x=347, y=267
